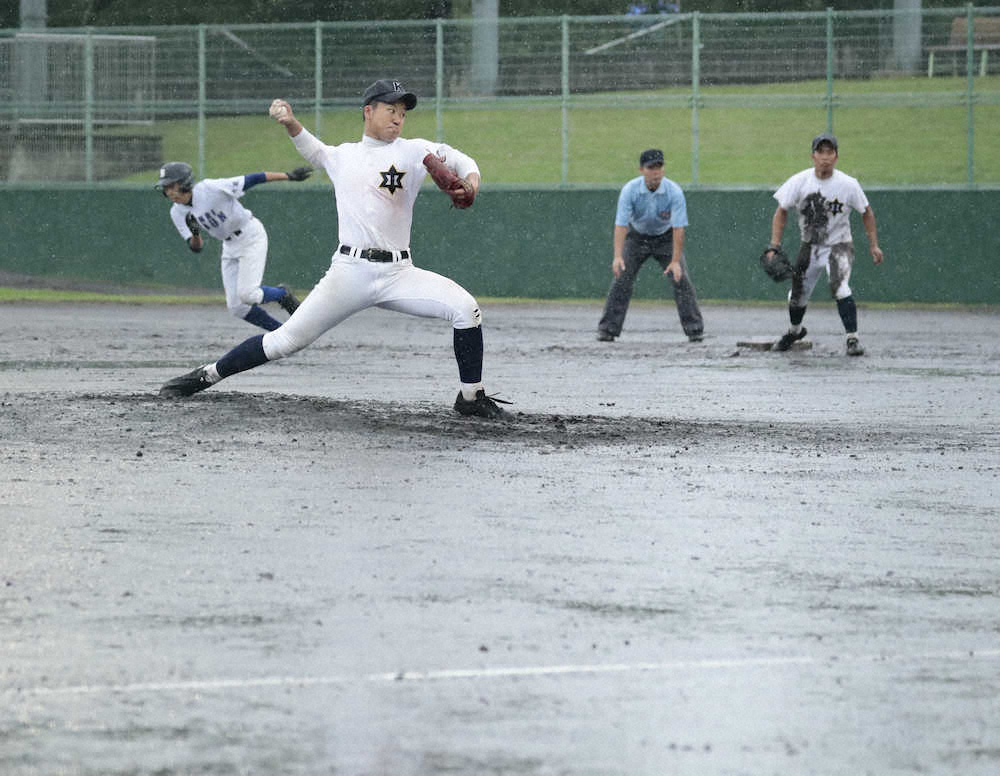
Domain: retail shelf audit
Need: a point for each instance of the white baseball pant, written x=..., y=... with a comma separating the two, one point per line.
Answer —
x=354, y=284
x=837, y=260
x=243, y=260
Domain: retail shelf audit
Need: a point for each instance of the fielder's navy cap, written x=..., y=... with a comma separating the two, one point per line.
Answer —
x=826, y=137
x=388, y=90
x=650, y=157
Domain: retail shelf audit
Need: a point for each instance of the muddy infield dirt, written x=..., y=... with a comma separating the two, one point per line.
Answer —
x=676, y=558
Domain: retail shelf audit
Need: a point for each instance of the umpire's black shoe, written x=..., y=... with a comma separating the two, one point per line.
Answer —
x=482, y=406
x=186, y=385
x=785, y=343
x=288, y=302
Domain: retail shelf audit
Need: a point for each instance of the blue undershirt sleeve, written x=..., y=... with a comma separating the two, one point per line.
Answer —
x=251, y=180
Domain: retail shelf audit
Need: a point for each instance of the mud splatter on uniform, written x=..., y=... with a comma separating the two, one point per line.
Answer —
x=824, y=206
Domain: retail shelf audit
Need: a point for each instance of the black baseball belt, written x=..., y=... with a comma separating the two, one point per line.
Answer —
x=237, y=233
x=374, y=254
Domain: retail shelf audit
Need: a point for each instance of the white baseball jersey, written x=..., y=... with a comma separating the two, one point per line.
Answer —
x=376, y=184
x=824, y=205
x=215, y=203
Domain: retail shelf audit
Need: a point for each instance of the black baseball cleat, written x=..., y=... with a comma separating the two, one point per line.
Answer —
x=785, y=343
x=186, y=385
x=288, y=302
x=482, y=406
x=603, y=336
x=854, y=347
x=698, y=337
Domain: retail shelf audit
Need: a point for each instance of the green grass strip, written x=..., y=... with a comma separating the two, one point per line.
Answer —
x=48, y=296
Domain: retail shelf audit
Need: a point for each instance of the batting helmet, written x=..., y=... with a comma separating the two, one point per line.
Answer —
x=175, y=172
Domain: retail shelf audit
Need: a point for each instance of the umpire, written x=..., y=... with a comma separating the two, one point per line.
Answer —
x=650, y=222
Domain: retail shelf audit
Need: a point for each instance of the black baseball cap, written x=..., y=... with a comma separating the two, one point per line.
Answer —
x=826, y=137
x=389, y=90
x=650, y=157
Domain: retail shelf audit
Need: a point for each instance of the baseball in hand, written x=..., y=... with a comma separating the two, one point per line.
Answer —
x=278, y=110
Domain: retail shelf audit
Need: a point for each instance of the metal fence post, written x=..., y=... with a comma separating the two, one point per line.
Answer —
x=829, y=70
x=695, y=91
x=88, y=107
x=564, y=176
x=439, y=78
x=970, y=93
x=202, y=75
x=318, y=79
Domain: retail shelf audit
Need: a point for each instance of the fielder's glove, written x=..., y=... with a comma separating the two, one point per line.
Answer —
x=299, y=173
x=776, y=264
x=460, y=190
x=192, y=224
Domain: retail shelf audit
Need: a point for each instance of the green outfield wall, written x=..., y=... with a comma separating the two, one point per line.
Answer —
x=941, y=246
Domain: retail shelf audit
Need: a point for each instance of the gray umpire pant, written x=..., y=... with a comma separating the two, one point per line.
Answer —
x=638, y=248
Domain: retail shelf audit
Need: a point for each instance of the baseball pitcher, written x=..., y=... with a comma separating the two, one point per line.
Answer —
x=376, y=181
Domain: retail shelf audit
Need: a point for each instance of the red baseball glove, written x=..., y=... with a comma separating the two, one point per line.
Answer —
x=460, y=190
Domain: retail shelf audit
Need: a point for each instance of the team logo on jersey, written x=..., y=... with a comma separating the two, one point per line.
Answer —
x=392, y=179
x=836, y=207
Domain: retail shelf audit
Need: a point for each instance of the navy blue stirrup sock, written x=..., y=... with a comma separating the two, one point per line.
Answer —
x=246, y=355
x=469, y=354
x=258, y=317
x=272, y=294
x=848, y=313
x=796, y=314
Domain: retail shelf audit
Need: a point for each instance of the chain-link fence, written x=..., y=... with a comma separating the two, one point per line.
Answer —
x=101, y=105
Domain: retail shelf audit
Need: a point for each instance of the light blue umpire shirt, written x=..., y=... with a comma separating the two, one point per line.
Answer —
x=651, y=212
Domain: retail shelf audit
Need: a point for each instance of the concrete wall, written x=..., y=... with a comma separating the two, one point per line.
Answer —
x=940, y=245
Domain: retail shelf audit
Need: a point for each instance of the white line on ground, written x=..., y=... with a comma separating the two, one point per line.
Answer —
x=197, y=685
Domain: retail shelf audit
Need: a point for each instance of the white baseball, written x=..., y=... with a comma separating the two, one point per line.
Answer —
x=278, y=110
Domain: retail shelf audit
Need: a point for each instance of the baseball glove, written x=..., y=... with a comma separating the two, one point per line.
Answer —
x=460, y=190
x=299, y=173
x=192, y=224
x=776, y=264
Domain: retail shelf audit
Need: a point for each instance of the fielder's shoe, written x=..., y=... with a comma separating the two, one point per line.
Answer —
x=288, y=302
x=186, y=385
x=696, y=337
x=603, y=336
x=482, y=406
x=785, y=343
x=854, y=347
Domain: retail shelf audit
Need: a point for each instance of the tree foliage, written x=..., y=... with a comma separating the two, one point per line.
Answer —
x=109, y=13
x=103, y=13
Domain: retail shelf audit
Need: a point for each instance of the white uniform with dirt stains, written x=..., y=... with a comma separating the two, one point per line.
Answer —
x=824, y=206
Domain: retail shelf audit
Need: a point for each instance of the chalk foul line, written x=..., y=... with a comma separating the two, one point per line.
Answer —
x=202, y=685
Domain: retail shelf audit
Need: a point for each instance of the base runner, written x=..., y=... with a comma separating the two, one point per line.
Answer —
x=213, y=206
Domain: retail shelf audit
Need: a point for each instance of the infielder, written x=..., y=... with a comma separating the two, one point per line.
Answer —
x=650, y=222
x=213, y=205
x=824, y=197
x=376, y=182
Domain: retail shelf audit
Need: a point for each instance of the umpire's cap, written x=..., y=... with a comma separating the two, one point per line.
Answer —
x=388, y=90
x=175, y=172
x=827, y=138
x=651, y=157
